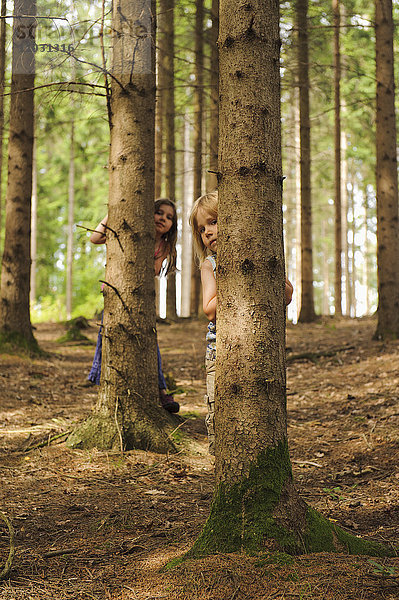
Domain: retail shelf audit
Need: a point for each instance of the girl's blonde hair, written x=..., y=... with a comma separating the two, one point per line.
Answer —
x=170, y=237
x=208, y=202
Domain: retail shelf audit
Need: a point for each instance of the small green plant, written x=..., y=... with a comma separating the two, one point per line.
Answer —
x=383, y=570
x=334, y=492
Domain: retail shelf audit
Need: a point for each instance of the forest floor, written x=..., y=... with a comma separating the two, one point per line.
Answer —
x=101, y=525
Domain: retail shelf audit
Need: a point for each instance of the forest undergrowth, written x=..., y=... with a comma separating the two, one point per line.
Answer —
x=102, y=525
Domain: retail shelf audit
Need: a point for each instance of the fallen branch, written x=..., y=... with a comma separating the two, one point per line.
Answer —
x=313, y=356
x=7, y=567
x=48, y=441
x=60, y=552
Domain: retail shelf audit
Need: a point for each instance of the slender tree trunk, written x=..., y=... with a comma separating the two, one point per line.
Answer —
x=337, y=163
x=366, y=251
x=255, y=504
x=187, y=194
x=15, y=325
x=352, y=251
x=344, y=220
x=2, y=78
x=197, y=138
x=326, y=273
x=387, y=176
x=166, y=41
x=158, y=129
x=71, y=214
x=33, y=239
x=307, y=313
x=214, y=98
x=298, y=245
x=128, y=414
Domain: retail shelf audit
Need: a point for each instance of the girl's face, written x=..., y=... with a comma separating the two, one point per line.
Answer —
x=207, y=228
x=164, y=219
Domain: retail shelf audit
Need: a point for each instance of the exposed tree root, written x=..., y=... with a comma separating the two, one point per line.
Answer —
x=7, y=567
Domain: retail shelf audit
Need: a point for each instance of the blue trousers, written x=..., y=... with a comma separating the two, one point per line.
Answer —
x=95, y=372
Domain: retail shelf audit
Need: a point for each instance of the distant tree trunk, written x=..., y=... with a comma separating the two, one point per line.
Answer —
x=2, y=77
x=128, y=414
x=166, y=40
x=387, y=176
x=366, y=250
x=344, y=220
x=71, y=220
x=197, y=141
x=352, y=302
x=158, y=127
x=337, y=163
x=255, y=506
x=307, y=313
x=298, y=227
x=214, y=98
x=15, y=325
x=187, y=194
x=33, y=244
x=326, y=273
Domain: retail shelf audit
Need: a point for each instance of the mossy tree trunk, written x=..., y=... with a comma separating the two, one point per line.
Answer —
x=128, y=414
x=387, y=176
x=256, y=506
x=15, y=325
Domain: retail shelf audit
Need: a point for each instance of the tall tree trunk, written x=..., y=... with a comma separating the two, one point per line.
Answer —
x=71, y=214
x=197, y=138
x=158, y=128
x=298, y=245
x=255, y=504
x=2, y=78
x=128, y=414
x=33, y=220
x=337, y=162
x=387, y=176
x=187, y=194
x=344, y=219
x=326, y=273
x=15, y=325
x=214, y=98
x=167, y=46
x=307, y=313
x=366, y=250
x=352, y=302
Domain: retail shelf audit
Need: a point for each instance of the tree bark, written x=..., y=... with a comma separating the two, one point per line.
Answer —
x=2, y=77
x=386, y=176
x=307, y=312
x=33, y=220
x=187, y=194
x=337, y=163
x=167, y=49
x=255, y=506
x=128, y=414
x=214, y=98
x=71, y=211
x=15, y=325
x=197, y=137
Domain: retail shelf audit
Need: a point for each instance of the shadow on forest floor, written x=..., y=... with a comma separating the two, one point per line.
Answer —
x=100, y=525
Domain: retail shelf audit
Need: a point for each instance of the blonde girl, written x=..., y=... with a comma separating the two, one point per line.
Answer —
x=203, y=221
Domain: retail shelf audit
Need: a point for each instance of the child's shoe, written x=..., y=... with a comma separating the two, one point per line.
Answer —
x=168, y=402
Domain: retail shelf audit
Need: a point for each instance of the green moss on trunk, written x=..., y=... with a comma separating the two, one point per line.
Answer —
x=100, y=432
x=13, y=342
x=263, y=511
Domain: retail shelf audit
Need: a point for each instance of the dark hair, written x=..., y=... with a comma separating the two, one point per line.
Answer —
x=170, y=237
